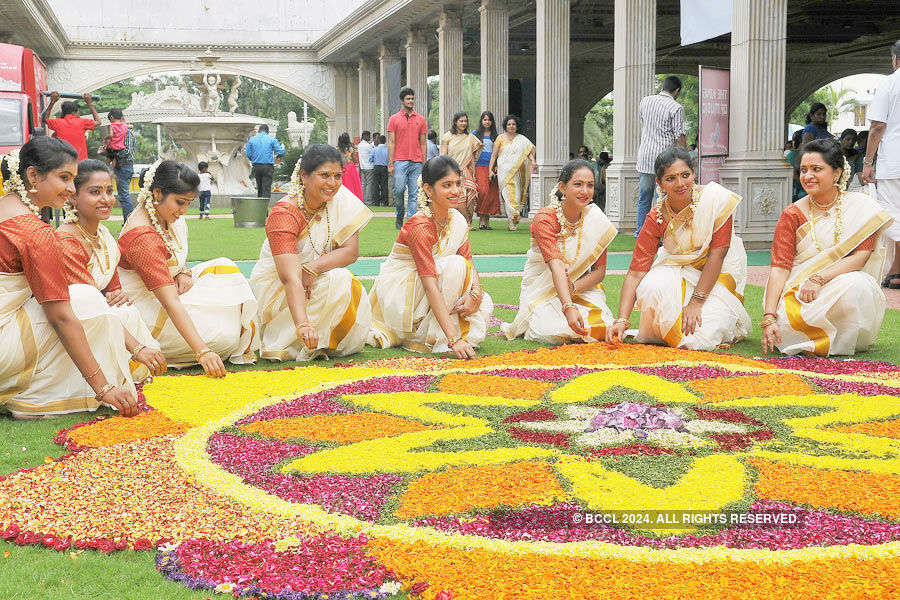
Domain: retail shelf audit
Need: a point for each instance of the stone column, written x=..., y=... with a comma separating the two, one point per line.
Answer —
x=339, y=122
x=450, y=63
x=417, y=67
x=352, y=72
x=494, y=58
x=755, y=168
x=367, y=94
x=552, y=123
x=634, y=59
x=391, y=83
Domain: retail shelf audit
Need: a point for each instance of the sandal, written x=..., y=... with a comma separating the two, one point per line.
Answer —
x=886, y=283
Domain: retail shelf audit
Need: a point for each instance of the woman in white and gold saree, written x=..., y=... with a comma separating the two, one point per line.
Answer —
x=92, y=255
x=202, y=314
x=822, y=296
x=61, y=348
x=511, y=160
x=428, y=297
x=310, y=304
x=688, y=269
x=462, y=146
x=562, y=297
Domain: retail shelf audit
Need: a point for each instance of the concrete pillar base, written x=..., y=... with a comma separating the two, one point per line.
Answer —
x=542, y=183
x=765, y=184
x=622, y=191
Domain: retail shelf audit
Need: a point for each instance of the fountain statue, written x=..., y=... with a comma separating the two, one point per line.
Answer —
x=300, y=131
x=202, y=131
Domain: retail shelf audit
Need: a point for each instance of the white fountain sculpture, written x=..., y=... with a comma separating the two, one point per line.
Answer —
x=203, y=131
x=300, y=131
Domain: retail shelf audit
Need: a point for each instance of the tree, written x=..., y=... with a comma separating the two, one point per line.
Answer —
x=471, y=93
x=598, y=124
x=835, y=101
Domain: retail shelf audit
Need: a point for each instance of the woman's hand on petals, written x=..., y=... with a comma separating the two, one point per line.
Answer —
x=463, y=349
x=154, y=360
x=770, y=337
x=309, y=336
x=616, y=332
x=212, y=365
x=576, y=323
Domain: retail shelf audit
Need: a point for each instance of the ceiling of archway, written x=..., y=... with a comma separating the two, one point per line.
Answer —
x=200, y=22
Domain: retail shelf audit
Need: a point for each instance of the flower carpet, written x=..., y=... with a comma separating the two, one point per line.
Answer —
x=583, y=471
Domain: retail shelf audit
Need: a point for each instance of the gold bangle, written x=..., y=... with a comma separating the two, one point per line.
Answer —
x=92, y=375
x=203, y=352
x=817, y=279
x=622, y=320
x=307, y=269
x=567, y=306
x=453, y=341
x=103, y=391
x=138, y=349
x=768, y=320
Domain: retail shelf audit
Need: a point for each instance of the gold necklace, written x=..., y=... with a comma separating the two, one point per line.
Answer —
x=98, y=246
x=838, y=221
x=443, y=233
x=326, y=246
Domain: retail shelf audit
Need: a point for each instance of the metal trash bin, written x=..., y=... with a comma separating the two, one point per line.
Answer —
x=249, y=211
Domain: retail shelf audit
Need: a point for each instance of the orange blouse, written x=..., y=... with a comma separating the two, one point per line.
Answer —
x=651, y=235
x=784, y=242
x=144, y=252
x=29, y=246
x=77, y=259
x=419, y=234
x=283, y=228
x=544, y=229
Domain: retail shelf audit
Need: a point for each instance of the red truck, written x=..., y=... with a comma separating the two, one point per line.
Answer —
x=23, y=79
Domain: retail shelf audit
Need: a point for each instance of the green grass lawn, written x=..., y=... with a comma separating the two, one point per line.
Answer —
x=211, y=238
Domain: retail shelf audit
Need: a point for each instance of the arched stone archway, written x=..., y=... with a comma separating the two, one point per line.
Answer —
x=313, y=83
x=805, y=78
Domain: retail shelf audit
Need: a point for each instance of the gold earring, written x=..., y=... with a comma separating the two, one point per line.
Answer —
x=32, y=191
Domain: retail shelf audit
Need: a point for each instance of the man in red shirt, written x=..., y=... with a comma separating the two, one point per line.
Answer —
x=70, y=127
x=407, y=131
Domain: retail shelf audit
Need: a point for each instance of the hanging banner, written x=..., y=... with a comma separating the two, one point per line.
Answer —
x=712, y=134
x=704, y=19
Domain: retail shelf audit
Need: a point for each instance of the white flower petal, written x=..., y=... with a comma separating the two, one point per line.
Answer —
x=605, y=436
x=702, y=426
x=670, y=437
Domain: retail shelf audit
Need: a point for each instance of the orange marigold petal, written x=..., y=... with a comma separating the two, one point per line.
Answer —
x=890, y=429
x=117, y=430
x=463, y=489
x=485, y=575
x=494, y=385
x=750, y=386
x=867, y=493
x=339, y=429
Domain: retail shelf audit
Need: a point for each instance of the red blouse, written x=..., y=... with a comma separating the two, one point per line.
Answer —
x=144, y=252
x=419, y=234
x=283, y=228
x=77, y=259
x=544, y=229
x=29, y=246
x=651, y=236
x=784, y=243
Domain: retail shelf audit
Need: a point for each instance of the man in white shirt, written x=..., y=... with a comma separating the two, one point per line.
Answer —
x=884, y=139
x=366, y=169
x=662, y=126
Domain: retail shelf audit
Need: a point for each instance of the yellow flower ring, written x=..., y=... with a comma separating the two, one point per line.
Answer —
x=475, y=480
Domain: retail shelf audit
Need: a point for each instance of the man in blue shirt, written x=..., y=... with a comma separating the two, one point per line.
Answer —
x=261, y=150
x=379, y=160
